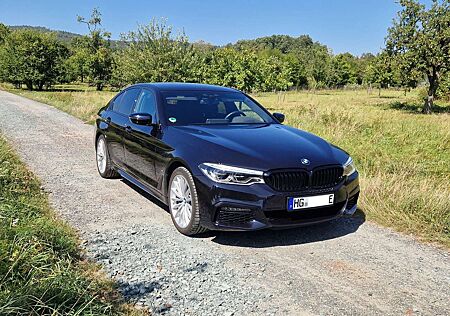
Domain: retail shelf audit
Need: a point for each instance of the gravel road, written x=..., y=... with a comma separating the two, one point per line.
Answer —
x=345, y=267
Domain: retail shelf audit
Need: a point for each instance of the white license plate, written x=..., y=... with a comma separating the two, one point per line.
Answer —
x=297, y=203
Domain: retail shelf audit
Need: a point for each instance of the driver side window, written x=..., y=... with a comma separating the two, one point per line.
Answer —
x=146, y=103
x=126, y=101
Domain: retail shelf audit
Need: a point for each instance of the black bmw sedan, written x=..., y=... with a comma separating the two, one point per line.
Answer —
x=220, y=161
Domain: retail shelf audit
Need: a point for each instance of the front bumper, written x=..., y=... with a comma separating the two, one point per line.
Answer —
x=258, y=206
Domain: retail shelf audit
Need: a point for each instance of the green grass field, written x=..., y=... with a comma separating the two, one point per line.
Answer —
x=403, y=156
x=41, y=269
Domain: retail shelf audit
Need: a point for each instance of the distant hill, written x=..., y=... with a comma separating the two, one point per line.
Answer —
x=61, y=35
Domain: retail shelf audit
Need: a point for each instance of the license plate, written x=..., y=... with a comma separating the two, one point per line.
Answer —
x=297, y=203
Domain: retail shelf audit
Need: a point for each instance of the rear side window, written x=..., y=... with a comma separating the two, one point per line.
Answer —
x=125, y=102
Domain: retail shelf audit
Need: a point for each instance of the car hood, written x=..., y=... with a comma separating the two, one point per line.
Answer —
x=259, y=146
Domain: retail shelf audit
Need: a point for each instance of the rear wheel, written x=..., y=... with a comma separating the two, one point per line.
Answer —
x=104, y=165
x=183, y=203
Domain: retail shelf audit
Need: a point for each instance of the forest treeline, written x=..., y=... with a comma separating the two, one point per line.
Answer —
x=417, y=51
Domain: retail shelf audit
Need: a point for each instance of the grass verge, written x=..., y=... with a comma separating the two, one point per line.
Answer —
x=403, y=156
x=41, y=269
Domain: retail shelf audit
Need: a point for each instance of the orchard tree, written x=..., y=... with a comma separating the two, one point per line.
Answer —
x=343, y=70
x=420, y=38
x=275, y=72
x=100, y=61
x=78, y=64
x=155, y=53
x=379, y=72
x=4, y=32
x=33, y=58
x=406, y=75
x=318, y=63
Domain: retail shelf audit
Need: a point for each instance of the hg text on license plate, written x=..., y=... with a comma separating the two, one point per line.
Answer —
x=296, y=203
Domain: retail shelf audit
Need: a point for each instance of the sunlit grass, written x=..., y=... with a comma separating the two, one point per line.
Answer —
x=41, y=268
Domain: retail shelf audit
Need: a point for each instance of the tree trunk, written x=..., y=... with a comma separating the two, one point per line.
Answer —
x=433, y=79
x=29, y=85
x=40, y=85
x=379, y=92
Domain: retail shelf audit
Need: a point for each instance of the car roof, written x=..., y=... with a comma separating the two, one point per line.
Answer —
x=182, y=86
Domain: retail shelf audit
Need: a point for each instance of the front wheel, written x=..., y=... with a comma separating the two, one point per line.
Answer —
x=183, y=203
x=104, y=165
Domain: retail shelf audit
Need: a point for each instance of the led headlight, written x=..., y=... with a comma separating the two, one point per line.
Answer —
x=349, y=167
x=232, y=175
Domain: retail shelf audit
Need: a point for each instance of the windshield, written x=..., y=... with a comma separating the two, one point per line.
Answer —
x=209, y=107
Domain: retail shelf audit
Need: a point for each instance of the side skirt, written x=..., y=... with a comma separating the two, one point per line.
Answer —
x=142, y=186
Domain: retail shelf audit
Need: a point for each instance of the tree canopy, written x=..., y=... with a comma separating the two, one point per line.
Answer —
x=32, y=58
x=420, y=40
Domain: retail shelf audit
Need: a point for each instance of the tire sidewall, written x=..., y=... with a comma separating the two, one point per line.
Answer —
x=193, y=223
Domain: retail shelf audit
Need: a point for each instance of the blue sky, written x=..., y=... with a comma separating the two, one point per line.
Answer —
x=356, y=26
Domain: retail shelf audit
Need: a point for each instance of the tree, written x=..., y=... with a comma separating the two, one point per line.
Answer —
x=379, y=72
x=154, y=53
x=343, y=70
x=100, y=61
x=4, y=32
x=405, y=74
x=362, y=63
x=78, y=64
x=275, y=74
x=318, y=61
x=309, y=61
x=420, y=38
x=33, y=58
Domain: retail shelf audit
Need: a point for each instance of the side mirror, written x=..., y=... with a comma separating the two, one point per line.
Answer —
x=279, y=116
x=141, y=118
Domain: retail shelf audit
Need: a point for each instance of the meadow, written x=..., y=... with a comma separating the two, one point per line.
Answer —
x=402, y=155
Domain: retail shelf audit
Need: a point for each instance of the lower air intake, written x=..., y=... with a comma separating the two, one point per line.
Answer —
x=230, y=216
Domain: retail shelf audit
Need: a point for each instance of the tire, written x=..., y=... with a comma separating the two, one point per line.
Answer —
x=104, y=164
x=182, y=196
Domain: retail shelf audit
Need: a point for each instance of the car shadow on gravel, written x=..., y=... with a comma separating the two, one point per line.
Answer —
x=296, y=236
x=148, y=196
x=272, y=238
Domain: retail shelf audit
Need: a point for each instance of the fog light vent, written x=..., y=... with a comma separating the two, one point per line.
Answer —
x=234, y=216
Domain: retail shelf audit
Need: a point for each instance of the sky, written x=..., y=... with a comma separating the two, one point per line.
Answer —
x=355, y=26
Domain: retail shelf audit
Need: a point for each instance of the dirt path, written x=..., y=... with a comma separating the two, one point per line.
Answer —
x=346, y=267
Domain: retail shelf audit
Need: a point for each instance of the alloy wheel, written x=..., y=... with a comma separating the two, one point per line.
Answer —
x=181, y=201
x=101, y=155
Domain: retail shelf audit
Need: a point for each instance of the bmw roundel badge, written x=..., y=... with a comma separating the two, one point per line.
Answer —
x=305, y=161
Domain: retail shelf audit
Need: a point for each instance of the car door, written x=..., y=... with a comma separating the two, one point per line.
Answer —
x=114, y=132
x=118, y=123
x=139, y=142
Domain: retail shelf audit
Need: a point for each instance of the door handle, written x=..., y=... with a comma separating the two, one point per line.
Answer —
x=128, y=129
